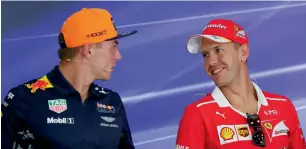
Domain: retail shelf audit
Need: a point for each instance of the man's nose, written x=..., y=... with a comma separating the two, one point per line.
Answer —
x=212, y=60
x=117, y=55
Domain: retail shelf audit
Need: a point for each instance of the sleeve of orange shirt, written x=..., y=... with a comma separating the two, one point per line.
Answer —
x=296, y=138
x=191, y=131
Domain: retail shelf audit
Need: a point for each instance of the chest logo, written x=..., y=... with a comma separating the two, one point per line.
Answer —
x=233, y=133
x=57, y=105
x=268, y=125
x=275, y=128
x=223, y=115
x=243, y=131
x=42, y=84
x=108, y=119
x=105, y=108
x=227, y=133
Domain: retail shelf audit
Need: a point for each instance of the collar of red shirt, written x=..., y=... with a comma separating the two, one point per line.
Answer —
x=223, y=102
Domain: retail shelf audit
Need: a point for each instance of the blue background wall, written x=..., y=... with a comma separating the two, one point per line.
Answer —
x=160, y=77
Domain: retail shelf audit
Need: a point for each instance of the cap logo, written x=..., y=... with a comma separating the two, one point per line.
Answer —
x=241, y=34
x=101, y=33
x=236, y=28
x=215, y=26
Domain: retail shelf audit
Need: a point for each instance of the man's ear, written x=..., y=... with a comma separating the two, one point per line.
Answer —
x=245, y=52
x=87, y=50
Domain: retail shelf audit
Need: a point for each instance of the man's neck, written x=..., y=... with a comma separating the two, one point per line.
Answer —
x=78, y=77
x=240, y=92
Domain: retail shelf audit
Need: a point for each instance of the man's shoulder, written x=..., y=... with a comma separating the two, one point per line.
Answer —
x=206, y=100
x=106, y=92
x=278, y=100
x=103, y=90
x=22, y=88
x=202, y=106
x=275, y=98
x=19, y=94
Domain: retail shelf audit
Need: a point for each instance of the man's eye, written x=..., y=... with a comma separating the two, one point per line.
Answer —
x=219, y=49
x=204, y=55
x=113, y=46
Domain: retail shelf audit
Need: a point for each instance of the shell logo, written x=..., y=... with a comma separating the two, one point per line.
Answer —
x=227, y=133
x=243, y=131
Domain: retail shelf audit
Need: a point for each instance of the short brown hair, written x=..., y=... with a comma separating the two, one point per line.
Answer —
x=67, y=53
x=70, y=53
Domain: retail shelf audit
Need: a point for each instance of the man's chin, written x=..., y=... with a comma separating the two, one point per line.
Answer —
x=104, y=78
x=220, y=83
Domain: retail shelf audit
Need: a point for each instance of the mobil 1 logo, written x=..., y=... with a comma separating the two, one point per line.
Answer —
x=52, y=120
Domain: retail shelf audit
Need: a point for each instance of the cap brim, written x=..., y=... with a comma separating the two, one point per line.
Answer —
x=121, y=35
x=194, y=43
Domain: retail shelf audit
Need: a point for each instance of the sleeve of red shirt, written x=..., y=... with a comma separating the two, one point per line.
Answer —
x=191, y=131
x=296, y=138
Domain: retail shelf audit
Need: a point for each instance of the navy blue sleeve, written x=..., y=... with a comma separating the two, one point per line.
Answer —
x=126, y=141
x=13, y=110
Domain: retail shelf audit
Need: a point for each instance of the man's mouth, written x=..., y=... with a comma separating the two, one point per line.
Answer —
x=112, y=68
x=216, y=71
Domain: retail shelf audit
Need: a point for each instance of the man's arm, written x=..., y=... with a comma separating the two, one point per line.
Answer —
x=191, y=132
x=11, y=123
x=126, y=141
x=296, y=137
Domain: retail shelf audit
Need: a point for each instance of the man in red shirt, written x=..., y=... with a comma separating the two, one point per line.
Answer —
x=237, y=114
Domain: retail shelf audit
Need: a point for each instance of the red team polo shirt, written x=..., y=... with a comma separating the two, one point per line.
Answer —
x=211, y=123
